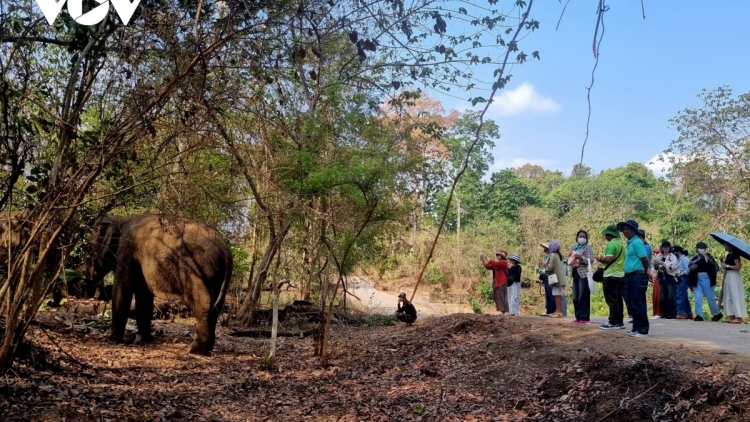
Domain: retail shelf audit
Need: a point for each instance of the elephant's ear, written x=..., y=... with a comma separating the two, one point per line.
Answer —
x=104, y=229
x=14, y=228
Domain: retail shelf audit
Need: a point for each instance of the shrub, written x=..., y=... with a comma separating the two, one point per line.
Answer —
x=378, y=320
x=475, y=306
x=484, y=290
x=434, y=275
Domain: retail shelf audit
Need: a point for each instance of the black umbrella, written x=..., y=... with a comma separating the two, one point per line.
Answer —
x=738, y=244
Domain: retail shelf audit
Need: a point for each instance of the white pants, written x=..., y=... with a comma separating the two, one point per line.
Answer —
x=514, y=298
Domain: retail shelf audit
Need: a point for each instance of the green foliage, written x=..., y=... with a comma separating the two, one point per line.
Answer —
x=475, y=306
x=710, y=166
x=379, y=320
x=241, y=261
x=484, y=290
x=434, y=274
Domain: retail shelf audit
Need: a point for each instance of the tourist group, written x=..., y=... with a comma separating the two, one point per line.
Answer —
x=625, y=271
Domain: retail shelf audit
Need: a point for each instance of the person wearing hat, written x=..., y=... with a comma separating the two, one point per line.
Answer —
x=636, y=278
x=405, y=311
x=514, y=284
x=499, y=269
x=555, y=266
x=665, y=266
x=684, y=310
x=703, y=269
x=613, y=284
x=549, y=302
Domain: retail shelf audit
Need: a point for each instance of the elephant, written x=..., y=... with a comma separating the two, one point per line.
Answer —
x=165, y=256
x=14, y=233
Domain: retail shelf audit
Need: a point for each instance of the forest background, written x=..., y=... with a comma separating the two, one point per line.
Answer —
x=303, y=132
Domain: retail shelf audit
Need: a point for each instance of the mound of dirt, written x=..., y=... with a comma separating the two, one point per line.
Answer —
x=458, y=367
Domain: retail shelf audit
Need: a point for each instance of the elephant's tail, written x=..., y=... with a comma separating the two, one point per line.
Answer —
x=228, y=269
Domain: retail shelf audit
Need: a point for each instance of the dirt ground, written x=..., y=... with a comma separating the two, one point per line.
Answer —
x=461, y=367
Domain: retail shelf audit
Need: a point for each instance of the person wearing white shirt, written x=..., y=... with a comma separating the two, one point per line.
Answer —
x=666, y=267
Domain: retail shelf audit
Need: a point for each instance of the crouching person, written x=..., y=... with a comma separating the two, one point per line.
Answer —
x=406, y=312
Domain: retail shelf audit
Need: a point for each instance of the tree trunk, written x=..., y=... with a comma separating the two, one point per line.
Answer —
x=245, y=313
x=275, y=324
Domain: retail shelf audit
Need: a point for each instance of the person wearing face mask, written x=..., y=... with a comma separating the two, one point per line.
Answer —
x=665, y=265
x=702, y=279
x=579, y=257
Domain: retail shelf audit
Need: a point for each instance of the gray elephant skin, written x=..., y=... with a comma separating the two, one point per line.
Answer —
x=163, y=256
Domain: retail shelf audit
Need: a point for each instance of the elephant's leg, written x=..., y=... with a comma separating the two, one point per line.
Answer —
x=122, y=294
x=205, y=327
x=144, y=311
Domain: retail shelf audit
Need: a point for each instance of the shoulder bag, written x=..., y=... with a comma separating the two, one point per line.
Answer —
x=599, y=273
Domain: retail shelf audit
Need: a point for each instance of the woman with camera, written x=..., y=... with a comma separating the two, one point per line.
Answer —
x=665, y=266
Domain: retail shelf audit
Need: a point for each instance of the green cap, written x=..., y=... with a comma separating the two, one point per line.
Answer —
x=611, y=230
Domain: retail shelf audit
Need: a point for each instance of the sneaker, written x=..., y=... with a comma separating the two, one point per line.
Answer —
x=656, y=317
x=698, y=318
x=555, y=316
x=583, y=321
x=630, y=322
x=638, y=334
x=576, y=321
x=717, y=317
x=608, y=326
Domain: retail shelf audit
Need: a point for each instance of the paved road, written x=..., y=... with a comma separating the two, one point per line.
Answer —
x=713, y=335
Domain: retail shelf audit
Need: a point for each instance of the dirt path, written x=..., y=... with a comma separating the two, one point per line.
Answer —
x=385, y=303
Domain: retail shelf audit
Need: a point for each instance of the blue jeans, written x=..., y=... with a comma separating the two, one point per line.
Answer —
x=704, y=288
x=636, y=285
x=683, y=304
x=581, y=297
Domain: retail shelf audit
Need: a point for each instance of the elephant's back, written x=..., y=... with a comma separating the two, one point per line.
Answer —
x=176, y=246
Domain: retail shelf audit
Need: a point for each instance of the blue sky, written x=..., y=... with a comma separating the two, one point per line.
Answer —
x=648, y=71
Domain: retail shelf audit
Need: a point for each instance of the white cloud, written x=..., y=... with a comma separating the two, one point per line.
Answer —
x=523, y=99
x=661, y=164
